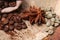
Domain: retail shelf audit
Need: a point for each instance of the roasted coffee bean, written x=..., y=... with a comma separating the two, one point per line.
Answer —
x=16, y=24
x=11, y=22
x=4, y=15
x=11, y=28
x=18, y=21
x=9, y=15
x=15, y=19
x=6, y=28
x=15, y=14
x=6, y=4
x=19, y=27
x=1, y=26
x=12, y=4
x=4, y=20
x=11, y=18
x=24, y=26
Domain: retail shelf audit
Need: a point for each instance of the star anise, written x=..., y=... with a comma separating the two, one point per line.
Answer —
x=34, y=15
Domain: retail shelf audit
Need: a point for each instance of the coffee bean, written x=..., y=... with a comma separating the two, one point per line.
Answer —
x=18, y=27
x=39, y=22
x=11, y=22
x=6, y=28
x=4, y=15
x=4, y=20
x=11, y=28
x=6, y=4
x=12, y=4
x=24, y=26
x=15, y=24
x=9, y=15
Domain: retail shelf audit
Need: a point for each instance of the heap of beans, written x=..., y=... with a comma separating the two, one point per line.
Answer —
x=10, y=21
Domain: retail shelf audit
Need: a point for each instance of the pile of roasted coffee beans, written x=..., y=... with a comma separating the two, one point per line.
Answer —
x=11, y=21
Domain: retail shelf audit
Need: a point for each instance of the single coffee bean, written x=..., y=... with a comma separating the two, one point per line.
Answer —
x=11, y=22
x=1, y=26
x=15, y=24
x=10, y=15
x=11, y=28
x=12, y=4
x=19, y=27
x=24, y=26
x=4, y=15
x=6, y=28
x=4, y=20
x=6, y=4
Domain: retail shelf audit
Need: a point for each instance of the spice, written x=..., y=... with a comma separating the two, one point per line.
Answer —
x=34, y=15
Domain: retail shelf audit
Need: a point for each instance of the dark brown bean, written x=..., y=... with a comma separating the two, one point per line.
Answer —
x=1, y=26
x=11, y=22
x=6, y=4
x=24, y=26
x=4, y=20
x=16, y=24
x=9, y=15
x=6, y=28
x=4, y=15
x=12, y=4
x=19, y=27
x=11, y=28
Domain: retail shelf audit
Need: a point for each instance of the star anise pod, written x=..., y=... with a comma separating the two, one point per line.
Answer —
x=34, y=15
